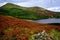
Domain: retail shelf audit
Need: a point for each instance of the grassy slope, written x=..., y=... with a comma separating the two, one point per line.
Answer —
x=57, y=15
x=33, y=13
x=10, y=26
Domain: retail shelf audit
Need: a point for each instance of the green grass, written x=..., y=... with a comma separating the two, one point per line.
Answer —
x=25, y=13
x=55, y=34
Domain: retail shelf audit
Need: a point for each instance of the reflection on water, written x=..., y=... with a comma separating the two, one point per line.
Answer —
x=50, y=20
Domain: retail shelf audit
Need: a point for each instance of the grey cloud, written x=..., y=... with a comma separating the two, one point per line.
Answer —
x=13, y=1
x=1, y=1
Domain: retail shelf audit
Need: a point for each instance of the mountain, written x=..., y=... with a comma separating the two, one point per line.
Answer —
x=10, y=5
x=33, y=13
x=12, y=28
x=40, y=10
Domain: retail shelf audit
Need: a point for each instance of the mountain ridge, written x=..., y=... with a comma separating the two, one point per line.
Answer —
x=26, y=13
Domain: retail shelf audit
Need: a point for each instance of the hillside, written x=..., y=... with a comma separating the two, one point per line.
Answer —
x=57, y=15
x=20, y=29
x=40, y=10
x=33, y=13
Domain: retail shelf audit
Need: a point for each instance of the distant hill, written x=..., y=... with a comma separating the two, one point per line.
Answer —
x=33, y=13
x=12, y=28
x=57, y=15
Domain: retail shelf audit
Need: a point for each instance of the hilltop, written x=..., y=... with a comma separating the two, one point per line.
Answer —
x=11, y=27
x=33, y=13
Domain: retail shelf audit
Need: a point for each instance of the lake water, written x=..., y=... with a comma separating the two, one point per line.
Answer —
x=50, y=20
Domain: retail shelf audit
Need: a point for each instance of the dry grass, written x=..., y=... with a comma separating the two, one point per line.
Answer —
x=20, y=29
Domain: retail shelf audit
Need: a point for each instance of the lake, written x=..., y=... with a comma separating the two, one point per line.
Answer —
x=50, y=20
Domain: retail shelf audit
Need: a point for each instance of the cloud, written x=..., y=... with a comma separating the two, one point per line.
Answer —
x=13, y=1
x=56, y=9
x=27, y=3
x=1, y=4
x=41, y=3
x=2, y=1
x=30, y=3
x=16, y=1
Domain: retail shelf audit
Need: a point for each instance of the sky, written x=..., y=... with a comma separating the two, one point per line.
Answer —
x=53, y=5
